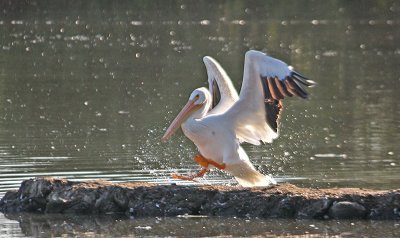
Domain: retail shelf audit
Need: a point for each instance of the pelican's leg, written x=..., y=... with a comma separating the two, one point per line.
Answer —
x=206, y=162
x=203, y=162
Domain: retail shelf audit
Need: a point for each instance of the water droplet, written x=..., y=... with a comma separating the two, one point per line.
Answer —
x=205, y=22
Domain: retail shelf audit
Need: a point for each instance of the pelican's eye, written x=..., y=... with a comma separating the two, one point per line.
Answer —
x=196, y=98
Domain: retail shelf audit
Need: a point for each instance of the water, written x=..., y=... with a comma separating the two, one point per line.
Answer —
x=87, y=88
x=112, y=226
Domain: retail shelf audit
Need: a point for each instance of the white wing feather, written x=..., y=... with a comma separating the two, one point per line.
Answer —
x=228, y=92
x=248, y=113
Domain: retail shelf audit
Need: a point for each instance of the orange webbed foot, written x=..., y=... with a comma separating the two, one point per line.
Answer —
x=191, y=178
x=181, y=177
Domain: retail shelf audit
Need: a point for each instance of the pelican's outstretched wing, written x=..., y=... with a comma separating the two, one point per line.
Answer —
x=266, y=81
x=223, y=92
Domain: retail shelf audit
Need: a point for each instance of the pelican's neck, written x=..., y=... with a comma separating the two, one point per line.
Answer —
x=201, y=112
x=193, y=124
x=190, y=126
x=197, y=115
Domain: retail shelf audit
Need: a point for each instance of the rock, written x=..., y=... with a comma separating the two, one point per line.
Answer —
x=347, y=210
x=317, y=208
x=49, y=195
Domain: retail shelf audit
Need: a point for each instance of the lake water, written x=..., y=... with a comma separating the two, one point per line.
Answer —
x=87, y=89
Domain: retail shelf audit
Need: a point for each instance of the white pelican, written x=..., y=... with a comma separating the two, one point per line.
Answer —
x=218, y=120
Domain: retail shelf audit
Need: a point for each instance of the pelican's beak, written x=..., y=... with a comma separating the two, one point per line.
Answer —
x=182, y=116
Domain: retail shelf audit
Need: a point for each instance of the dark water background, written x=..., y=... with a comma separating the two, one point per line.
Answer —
x=87, y=89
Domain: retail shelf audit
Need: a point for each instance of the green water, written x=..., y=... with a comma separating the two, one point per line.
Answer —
x=87, y=89
x=113, y=226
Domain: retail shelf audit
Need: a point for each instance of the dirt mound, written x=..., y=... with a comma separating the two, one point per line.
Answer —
x=51, y=195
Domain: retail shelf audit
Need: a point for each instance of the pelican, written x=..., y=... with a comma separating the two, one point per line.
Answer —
x=217, y=120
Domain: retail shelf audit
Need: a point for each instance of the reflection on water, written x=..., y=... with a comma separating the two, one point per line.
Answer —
x=87, y=88
x=89, y=226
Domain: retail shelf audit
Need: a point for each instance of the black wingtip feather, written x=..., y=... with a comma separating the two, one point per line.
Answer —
x=276, y=94
x=272, y=106
x=304, y=81
x=216, y=94
x=276, y=89
x=295, y=88
x=272, y=110
x=267, y=94
x=299, y=75
x=282, y=87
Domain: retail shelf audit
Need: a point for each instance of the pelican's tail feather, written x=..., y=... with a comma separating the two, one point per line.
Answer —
x=247, y=176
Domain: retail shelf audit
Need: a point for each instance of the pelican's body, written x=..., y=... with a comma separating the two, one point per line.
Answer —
x=208, y=135
x=217, y=119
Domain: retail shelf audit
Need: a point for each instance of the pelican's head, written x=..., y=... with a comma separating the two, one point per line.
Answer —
x=197, y=106
x=202, y=98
